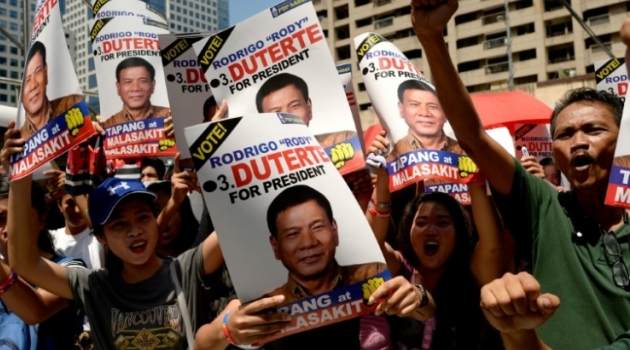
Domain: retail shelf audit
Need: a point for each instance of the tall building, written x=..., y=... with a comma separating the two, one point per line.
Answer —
x=184, y=16
x=548, y=44
x=11, y=57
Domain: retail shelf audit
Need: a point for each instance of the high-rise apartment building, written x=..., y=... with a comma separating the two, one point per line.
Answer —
x=548, y=44
x=184, y=16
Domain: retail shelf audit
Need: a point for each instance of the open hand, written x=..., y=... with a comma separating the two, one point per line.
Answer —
x=13, y=144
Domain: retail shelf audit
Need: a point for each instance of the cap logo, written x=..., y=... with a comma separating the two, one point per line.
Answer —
x=112, y=190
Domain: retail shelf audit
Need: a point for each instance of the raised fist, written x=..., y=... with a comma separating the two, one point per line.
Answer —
x=166, y=144
x=466, y=166
x=74, y=120
x=341, y=153
x=370, y=286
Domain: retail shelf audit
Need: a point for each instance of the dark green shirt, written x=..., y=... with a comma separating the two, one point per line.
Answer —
x=594, y=311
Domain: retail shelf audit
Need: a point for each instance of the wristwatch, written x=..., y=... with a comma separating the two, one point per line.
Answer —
x=425, y=299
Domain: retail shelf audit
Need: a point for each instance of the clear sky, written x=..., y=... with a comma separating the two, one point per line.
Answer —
x=243, y=9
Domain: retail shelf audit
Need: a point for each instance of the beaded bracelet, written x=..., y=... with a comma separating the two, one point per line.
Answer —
x=381, y=205
x=4, y=287
x=377, y=213
x=226, y=332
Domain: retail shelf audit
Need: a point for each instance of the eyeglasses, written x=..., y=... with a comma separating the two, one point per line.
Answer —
x=620, y=271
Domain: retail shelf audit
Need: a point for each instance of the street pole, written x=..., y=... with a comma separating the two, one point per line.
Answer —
x=508, y=35
x=26, y=14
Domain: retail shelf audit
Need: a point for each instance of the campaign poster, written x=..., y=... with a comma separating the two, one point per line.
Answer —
x=533, y=140
x=278, y=62
x=618, y=193
x=284, y=216
x=345, y=74
x=460, y=191
x=408, y=108
x=132, y=91
x=52, y=116
x=127, y=8
x=188, y=90
x=612, y=76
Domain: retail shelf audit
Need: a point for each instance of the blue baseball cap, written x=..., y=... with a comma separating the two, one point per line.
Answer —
x=104, y=199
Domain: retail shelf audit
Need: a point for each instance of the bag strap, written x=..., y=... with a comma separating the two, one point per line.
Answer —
x=182, y=306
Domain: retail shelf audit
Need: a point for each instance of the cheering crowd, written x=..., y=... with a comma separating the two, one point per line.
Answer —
x=528, y=265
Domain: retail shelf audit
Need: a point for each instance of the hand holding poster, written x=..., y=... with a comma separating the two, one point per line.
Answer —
x=52, y=116
x=132, y=92
x=278, y=62
x=188, y=90
x=268, y=184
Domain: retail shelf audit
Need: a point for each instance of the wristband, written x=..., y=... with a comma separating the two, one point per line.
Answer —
x=425, y=298
x=380, y=205
x=226, y=332
x=7, y=283
x=377, y=213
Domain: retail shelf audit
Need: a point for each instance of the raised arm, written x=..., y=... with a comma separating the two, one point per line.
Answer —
x=23, y=230
x=488, y=260
x=379, y=215
x=31, y=305
x=429, y=20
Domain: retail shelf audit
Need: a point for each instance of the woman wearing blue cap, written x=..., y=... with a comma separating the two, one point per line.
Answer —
x=142, y=301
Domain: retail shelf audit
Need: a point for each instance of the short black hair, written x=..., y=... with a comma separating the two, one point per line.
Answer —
x=590, y=96
x=134, y=62
x=413, y=84
x=156, y=163
x=292, y=197
x=37, y=48
x=210, y=102
x=547, y=161
x=278, y=82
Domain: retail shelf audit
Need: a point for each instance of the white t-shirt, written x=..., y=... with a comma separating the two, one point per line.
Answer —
x=84, y=246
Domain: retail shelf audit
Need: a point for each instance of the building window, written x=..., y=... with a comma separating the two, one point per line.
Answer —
x=468, y=66
x=411, y=54
x=13, y=14
x=91, y=66
x=14, y=50
x=526, y=80
x=92, y=81
x=3, y=98
x=13, y=63
x=527, y=55
x=343, y=53
x=14, y=75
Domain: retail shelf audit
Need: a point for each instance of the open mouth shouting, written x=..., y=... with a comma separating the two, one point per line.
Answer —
x=138, y=246
x=431, y=247
x=581, y=161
